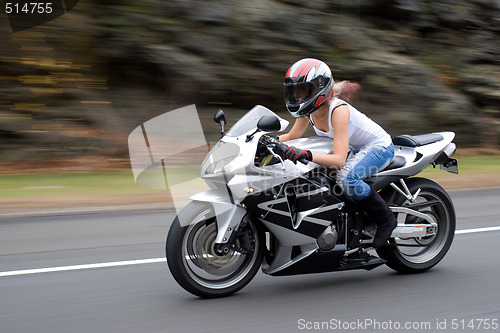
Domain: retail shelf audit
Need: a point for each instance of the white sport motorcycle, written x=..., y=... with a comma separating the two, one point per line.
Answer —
x=265, y=212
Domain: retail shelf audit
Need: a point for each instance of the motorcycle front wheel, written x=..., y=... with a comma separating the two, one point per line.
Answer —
x=194, y=263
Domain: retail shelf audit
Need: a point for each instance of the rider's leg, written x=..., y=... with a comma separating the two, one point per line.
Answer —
x=381, y=214
x=363, y=164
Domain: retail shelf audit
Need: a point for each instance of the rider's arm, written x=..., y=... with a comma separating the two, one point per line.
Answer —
x=340, y=121
x=299, y=127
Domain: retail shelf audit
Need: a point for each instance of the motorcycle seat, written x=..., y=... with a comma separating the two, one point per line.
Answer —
x=416, y=140
x=397, y=162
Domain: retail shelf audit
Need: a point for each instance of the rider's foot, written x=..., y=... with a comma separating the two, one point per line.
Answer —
x=381, y=214
x=384, y=231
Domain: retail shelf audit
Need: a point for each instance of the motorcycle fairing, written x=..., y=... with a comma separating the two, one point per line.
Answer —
x=297, y=216
x=419, y=157
x=300, y=206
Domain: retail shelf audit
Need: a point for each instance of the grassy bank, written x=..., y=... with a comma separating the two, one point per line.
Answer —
x=39, y=190
x=66, y=184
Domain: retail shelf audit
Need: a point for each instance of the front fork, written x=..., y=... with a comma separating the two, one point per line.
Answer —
x=229, y=217
x=239, y=239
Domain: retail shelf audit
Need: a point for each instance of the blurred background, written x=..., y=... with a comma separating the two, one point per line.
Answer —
x=72, y=89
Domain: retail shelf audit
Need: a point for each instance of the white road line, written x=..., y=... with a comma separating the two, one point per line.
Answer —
x=77, y=267
x=156, y=260
x=471, y=231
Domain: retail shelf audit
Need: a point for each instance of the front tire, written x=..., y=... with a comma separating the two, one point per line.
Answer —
x=192, y=259
x=422, y=254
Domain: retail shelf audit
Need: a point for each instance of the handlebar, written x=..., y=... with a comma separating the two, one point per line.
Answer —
x=303, y=161
x=277, y=149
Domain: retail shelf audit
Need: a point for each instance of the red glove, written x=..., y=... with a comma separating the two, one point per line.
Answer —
x=293, y=154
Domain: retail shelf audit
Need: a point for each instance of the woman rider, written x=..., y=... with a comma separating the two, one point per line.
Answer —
x=312, y=96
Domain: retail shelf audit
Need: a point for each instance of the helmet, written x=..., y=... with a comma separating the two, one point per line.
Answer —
x=308, y=85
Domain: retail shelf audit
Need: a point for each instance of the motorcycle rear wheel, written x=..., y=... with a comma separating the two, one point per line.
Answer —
x=426, y=252
x=193, y=262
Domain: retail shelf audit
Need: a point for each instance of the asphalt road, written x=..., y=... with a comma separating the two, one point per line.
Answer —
x=461, y=294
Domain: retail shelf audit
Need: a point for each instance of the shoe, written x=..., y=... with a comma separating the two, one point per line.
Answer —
x=381, y=214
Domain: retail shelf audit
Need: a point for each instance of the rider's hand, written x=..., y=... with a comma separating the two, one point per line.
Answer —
x=293, y=154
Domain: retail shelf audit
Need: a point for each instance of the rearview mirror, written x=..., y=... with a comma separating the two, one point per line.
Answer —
x=269, y=124
x=220, y=118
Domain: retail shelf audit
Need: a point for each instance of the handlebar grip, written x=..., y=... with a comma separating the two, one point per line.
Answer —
x=304, y=161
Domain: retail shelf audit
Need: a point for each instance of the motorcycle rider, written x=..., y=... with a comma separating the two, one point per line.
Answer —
x=312, y=96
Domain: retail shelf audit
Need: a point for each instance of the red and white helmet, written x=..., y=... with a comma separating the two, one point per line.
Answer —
x=312, y=75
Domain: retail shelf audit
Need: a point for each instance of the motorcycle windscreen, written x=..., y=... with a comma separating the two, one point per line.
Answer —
x=166, y=153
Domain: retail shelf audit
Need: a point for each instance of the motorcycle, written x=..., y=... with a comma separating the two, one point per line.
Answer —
x=265, y=212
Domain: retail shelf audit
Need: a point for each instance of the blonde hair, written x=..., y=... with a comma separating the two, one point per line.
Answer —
x=346, y=90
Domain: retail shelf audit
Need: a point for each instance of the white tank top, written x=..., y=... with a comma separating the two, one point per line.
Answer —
x=362, y=130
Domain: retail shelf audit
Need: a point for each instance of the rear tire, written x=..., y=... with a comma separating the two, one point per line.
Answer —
x=417, y=259
x=192, y=259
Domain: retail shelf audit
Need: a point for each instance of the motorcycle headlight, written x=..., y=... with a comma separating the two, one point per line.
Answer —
x=219, y=166
x=220, y=158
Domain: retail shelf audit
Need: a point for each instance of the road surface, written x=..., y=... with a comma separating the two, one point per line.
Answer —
x=106, y=273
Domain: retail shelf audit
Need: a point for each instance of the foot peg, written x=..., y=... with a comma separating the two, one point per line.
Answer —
x=360, y=260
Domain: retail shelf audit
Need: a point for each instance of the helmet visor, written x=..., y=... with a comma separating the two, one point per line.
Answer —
x=298, y=93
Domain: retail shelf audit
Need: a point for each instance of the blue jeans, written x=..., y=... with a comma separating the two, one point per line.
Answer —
x=365, y=163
